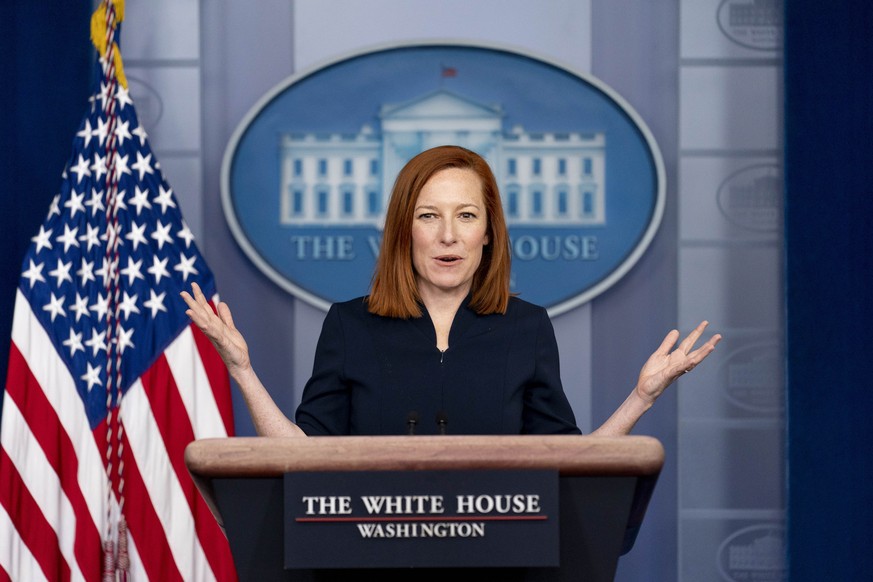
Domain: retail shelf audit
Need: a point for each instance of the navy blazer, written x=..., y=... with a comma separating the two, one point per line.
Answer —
x=500, y=375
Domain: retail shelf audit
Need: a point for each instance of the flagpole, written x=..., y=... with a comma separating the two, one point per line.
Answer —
x=114, y=428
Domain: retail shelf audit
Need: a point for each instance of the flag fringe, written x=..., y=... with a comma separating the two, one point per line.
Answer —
x=99, y=36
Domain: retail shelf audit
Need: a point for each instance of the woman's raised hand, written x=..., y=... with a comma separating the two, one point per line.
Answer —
x=219, y=328
x=667, y=364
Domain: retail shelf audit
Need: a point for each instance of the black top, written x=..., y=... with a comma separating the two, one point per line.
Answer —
x=372, y=374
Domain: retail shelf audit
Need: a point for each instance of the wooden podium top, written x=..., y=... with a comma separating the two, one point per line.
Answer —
x=569, y=454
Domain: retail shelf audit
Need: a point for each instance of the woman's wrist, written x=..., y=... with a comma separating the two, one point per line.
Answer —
x=244, y=375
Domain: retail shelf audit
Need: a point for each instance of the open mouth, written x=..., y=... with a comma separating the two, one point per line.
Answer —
x=448, y=259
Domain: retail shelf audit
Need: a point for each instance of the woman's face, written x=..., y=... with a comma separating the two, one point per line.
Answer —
x=449, y=229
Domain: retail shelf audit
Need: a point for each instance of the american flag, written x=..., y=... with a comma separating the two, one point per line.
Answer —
x=108, y=379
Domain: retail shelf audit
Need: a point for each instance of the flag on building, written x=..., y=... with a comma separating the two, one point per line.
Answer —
x=108, y=380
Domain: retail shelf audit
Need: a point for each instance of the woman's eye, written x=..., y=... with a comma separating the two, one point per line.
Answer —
x=468, y=215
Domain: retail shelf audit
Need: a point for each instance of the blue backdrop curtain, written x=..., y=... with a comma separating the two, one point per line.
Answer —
x=45, y=66
x=829, y=246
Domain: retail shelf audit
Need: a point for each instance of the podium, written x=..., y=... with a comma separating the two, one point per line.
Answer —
x=604, y=486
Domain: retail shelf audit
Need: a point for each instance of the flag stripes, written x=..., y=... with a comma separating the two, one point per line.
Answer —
x=59, y=534
x=58, y=454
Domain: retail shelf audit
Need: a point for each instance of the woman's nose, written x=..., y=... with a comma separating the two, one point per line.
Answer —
x=447, y=232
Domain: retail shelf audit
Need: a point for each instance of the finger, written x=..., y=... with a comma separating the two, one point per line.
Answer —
x=692, y=337
x=198, y=294
x=703, y=351
x=195, y=308
x=668, y=343
x=189, y=301
x=225, y=315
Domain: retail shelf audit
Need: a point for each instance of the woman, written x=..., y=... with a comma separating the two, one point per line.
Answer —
x=439, y=345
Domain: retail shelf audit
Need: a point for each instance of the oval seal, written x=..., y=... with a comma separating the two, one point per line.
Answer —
x=753, y=24
x=751, y=198
x=753, y=553
x=306, y=174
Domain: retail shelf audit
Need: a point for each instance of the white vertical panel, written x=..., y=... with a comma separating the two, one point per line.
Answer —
x=730, y=108
x=731, y=411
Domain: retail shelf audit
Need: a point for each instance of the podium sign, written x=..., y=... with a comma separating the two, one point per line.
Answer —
x=421, y=519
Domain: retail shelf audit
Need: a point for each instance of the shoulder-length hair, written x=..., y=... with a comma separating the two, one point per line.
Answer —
x=394, y=292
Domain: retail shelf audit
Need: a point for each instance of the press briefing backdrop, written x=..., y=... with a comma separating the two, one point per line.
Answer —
x=704, y=76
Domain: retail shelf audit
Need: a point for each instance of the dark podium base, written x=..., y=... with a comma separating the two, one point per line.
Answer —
x=594, y=516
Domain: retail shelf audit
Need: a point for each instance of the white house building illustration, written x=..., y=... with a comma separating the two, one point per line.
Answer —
x=545, y=179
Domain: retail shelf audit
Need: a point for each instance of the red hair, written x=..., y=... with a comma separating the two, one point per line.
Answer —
x=394, y=291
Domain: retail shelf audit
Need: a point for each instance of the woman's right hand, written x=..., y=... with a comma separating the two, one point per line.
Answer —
x=219, y=328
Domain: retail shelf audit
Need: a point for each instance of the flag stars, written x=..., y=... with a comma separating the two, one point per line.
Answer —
x=74, y=342
x=123, y=340
x=86, y=272
x=101, y=131
x=62, y=272
x=97, y=342
x=105, y=271
x=95, y=203
x=186, y=235
x=140, y=132
x=75, y=203
x=121, y=167
x=162, y=234
x=81, y=169
x=34, y=273
x=103, y=96
x=165, y=199
x=114, y=281
x=55, y=206
x=92, y=376
x=128, y=305
x=155, y=302
x=69, y=237
x=136, y=235
x=55, y=306
x=140, y=199
x=132, y=271
x=91, y=236
x=122, y=132
x=143, y=165
x=186, y=266
x=158, y=269
x=122, y=96
x=118, y=200
x=87, y=133
x=42, y=239
x=101, y=307
x=99, y=167
x=80, y=307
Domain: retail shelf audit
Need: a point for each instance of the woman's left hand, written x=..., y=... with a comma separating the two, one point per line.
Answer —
x=664, y=366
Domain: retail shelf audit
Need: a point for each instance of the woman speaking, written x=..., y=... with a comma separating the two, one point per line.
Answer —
x=440, y=345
